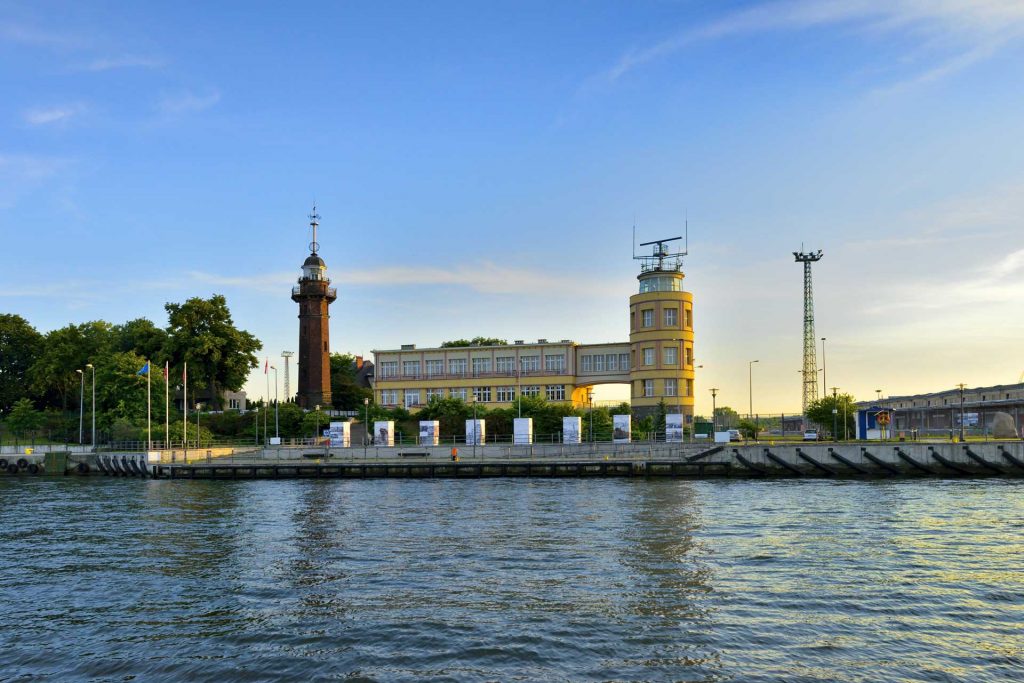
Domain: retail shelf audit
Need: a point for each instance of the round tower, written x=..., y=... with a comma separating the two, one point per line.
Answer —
x=314, y=294
x=661, y=336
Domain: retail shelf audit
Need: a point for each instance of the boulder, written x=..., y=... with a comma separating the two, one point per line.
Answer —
x=1003, y=426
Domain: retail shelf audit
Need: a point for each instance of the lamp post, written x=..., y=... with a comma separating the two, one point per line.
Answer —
x=316, y=434
x=590, y=404
x=714, y=418
x=878, y=395
x=476, y=426
x=750, y=389
x=835, y=414
x=93, y=368
x=81, y=407
x=199, y=443
x=256, y=422
x=824, y=375
x=277, y=424
x=366, y=421
x=963, y=434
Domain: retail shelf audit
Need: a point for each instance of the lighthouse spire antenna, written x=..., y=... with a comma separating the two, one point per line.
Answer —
x=314, y=222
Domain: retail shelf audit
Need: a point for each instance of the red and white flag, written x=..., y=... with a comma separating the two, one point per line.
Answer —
x=266, y=366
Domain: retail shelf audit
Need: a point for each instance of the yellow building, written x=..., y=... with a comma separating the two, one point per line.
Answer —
x=657, y=361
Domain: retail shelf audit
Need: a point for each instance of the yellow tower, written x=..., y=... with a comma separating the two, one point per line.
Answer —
x=661, y=335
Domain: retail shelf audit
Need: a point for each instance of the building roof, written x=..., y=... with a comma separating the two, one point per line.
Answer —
x=314, y=260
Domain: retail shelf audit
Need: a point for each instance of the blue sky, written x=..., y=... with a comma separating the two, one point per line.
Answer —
x=479, y=166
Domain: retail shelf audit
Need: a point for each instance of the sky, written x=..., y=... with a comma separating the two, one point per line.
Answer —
x=479, y=168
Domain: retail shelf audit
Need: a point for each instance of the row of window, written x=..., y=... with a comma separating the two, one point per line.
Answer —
x=553, y=363
x=670, y=387
x=416, y=397
x=670, y=355
x=604, y=362
x=670, y=317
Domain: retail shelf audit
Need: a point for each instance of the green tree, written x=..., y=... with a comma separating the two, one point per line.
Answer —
x=451, y=413
x=475, y=341
x=65, y=350
x=142, y=337
x=346, y=394
x=748, y=428
x=24, y=418
x=219, y=355
x=820, y=412
x=726, y=417
x=121, y=391
x=20, y=345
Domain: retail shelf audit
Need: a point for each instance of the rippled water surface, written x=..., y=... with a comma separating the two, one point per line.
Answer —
x=547, y=580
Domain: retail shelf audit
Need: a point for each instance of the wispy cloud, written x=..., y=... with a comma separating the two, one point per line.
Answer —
x=979, y=27
x=58, y=115
x=187, y=102
x=122, y=62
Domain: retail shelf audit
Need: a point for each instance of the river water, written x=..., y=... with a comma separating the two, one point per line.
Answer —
x=512, y=579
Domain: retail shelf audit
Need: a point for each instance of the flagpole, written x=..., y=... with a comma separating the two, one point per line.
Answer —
x=167, y=404
x=184, y=413
x=149, y=409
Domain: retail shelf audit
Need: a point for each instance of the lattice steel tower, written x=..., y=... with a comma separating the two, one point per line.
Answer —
x=810, y=371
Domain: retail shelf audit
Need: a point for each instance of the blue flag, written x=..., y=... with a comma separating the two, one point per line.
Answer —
x=144, y=370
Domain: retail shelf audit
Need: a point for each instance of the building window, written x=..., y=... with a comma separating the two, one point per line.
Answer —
x=689, y=387
x=435, y=368
x=555, y=363
x=624, y=361
x=648, y=317
x=388, y=368
x=671, y=355
x=670, y=387
x=457, y=366
x=459, y=393
x=412, y=398
x=481, y=366
x=482, y=394
x=632, y=318
x=506, y=394
x=586, y=363
x=411, y=368
x=689, y=355
x=689, y=318
x=434, y=393
x=648, y=388
x=599, y=363
x=671, y=317
x=389, y=397
x=649, y=356
x=529, y=363
x=531, y=390
x=556, y=392
x=505, y=365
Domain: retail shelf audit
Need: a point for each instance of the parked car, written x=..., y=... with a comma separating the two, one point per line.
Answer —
x=734, y=435
x=811, y=435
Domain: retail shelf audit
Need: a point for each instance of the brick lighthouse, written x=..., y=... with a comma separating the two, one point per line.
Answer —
x=314, y=294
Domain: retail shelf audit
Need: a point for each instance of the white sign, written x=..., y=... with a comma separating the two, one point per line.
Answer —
x=475, y=433
x=571, y=430
x=621, y=428
x=430, y=431
x=384, y=433
x=674, y=427
x=522, y=430
x=722, y=437
x=340, y=434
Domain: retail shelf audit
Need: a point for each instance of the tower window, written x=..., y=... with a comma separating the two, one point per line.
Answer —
x=671, y=317
x=649, y=356
x=325, y=347
x=671, y=355
x=648, y=317
x=670, y=387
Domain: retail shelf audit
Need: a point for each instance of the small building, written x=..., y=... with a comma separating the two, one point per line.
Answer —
x=939, y=412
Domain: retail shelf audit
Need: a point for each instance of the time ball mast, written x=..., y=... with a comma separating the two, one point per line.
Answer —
x=314, y=294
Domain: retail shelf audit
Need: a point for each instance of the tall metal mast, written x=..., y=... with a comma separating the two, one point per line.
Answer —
x=810, y=371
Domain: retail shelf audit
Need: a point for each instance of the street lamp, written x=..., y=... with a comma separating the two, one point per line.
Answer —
x=824, y=375
x=199, y=407
x=316, y=434
x=714, y=411
x=835, y=414
x=366, y=420
x=277, y=424
x=81, y=407
x=590, y=403
x=750, y=378
x=93, y=368
x=256, y=422
x=962, y=433
x=878, y=394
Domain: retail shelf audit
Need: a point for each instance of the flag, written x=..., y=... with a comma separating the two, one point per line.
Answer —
x=266, y=366
x=144, y=370
x=166, y=364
